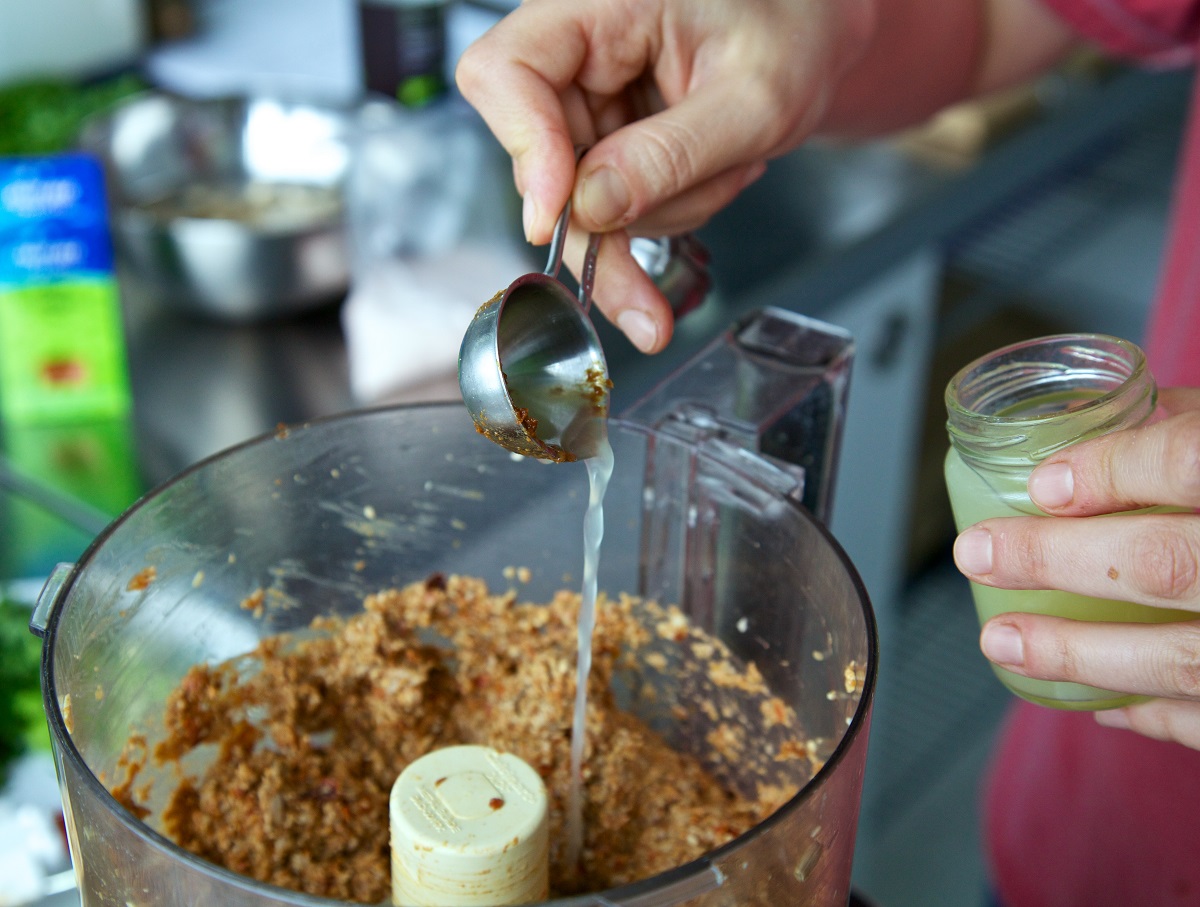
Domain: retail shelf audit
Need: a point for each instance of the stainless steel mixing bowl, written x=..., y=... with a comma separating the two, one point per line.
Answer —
x=228, y=208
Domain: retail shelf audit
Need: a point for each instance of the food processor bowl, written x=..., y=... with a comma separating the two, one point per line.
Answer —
x=320, y=515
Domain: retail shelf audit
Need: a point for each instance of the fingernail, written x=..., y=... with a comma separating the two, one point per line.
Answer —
x=1052, y=485
x=604, y=197
x=637, y=326
x=529, y=213
x=1114, y=718
x=1002, y=644
x=973, y=551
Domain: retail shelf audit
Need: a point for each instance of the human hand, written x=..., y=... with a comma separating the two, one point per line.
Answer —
x=682, y=102
x=1150, y=559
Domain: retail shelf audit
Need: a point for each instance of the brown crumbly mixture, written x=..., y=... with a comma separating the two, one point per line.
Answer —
x=309, y=736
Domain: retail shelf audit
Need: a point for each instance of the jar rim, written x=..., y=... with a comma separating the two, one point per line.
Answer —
x=1132, y=353
x=1023, y=402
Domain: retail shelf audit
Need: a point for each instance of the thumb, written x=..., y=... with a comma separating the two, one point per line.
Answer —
x=648, y=162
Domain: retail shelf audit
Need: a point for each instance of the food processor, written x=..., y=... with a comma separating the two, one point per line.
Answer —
x=723, y=479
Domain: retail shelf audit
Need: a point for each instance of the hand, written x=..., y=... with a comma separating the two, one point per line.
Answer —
x=1148, y=559
x=681, y=101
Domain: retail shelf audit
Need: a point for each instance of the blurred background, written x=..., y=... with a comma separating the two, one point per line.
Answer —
x=282, y=218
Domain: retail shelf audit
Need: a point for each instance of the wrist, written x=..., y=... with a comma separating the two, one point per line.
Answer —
x=903, y=61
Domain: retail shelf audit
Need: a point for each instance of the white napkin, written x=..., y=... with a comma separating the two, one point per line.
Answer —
x=404, y=319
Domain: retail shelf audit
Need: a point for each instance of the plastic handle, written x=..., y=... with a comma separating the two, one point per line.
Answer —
x=775, y=383
x=48, y=599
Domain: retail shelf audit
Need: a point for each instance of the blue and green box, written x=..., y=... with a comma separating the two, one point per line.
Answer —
x=62, y=350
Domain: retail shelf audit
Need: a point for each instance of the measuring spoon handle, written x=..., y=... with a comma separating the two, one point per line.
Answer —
x=587, y=277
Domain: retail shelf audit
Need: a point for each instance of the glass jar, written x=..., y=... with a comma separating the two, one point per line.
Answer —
x=1010, y=410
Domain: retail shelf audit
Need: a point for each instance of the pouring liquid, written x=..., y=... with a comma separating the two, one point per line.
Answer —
x=578, y=428
x=599, y=469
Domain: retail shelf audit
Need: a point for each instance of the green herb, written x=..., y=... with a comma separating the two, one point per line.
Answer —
x=22, y=719
x=44, y=116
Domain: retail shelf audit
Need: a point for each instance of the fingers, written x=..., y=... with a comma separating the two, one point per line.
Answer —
x=1161, y=660
x=517, y=77
x=1157, y=660
x=726, y=93
x=1148, y=559
x=1151, y=559
x=1162, y=719
x=732, y=95
x=640, y=166
x=1158, y=464
x=623, y=291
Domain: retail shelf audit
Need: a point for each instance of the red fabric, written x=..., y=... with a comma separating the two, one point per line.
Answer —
x=1077, y=815
x=1163, y=31
x=1173, y=336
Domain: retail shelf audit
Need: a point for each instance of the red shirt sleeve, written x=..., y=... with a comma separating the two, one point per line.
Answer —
x=1164, y=32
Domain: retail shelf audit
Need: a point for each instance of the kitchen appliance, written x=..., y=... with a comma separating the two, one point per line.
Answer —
x=723, y=476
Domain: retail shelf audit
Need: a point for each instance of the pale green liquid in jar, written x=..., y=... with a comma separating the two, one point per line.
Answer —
x=976, y=496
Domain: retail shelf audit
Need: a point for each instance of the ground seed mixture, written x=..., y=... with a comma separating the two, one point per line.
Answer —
x=309, y=733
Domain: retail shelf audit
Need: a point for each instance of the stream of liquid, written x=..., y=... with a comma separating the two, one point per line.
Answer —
x=599, y=470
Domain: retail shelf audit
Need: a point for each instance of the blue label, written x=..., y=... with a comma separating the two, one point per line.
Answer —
x=53, y=218
x=65, y=187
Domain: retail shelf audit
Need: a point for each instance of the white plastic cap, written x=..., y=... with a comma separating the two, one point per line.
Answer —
x=469, y=827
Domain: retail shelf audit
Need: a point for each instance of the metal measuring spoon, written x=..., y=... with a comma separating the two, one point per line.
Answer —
x=531, y=369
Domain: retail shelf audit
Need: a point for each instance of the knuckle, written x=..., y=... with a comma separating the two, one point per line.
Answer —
x=1182, y=456
x=1066, y=661
x=669, y=156
x=1156, y=722
x=1165, y=565
x=764, y=99
x=1179, y=665
x=761, y=99
x=470, y=71
x=1020, y=552
x=1099, y=478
